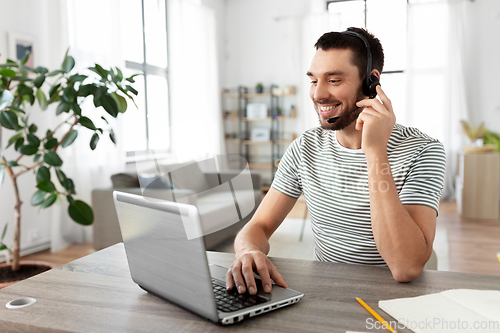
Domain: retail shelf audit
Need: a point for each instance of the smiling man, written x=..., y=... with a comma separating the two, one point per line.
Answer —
x=372, y=186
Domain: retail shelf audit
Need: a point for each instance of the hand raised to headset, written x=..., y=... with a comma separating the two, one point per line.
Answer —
x=376, y=121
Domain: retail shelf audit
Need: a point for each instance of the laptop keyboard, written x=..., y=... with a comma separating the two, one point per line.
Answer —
x=231, y=300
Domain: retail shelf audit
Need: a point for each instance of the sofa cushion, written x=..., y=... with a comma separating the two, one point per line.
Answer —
x=190, y=177
x=218, y=209
x=152, y=181
x=123, y=180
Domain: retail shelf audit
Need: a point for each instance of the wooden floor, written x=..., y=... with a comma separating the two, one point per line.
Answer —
x=473, y=244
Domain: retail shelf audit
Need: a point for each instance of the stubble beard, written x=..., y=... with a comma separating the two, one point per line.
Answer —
x=343, y=122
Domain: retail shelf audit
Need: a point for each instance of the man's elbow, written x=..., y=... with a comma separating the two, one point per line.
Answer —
x=406, y=274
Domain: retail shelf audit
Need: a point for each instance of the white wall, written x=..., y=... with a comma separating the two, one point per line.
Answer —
x=482, y=61
x=43, y=20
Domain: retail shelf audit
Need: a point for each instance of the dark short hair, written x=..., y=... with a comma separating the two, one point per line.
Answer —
x=337, y=40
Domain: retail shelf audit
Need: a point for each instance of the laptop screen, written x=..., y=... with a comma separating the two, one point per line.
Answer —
x=162, y=258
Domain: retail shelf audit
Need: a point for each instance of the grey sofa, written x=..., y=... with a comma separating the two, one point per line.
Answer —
x=226, y=200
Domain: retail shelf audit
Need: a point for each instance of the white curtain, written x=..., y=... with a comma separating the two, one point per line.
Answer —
x=196, y=115
x=89, y=43
x=437, y=93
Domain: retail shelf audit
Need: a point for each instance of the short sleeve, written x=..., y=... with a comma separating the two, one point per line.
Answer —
x=424, y=181
x=287, y=177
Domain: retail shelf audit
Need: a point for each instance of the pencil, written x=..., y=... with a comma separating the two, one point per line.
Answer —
x=376, y=315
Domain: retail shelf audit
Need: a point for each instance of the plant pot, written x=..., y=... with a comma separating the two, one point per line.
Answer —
x=27, y=269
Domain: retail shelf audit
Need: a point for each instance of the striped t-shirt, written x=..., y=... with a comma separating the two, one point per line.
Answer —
x=334, y=180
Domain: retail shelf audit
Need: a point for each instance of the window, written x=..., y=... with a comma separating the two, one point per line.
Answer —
x=374, y=15
x=144, y=48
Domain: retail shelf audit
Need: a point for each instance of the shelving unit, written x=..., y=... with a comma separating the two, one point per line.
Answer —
x=238, y=127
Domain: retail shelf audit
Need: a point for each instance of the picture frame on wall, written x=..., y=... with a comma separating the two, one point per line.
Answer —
x=19, y=45
x=260, y=134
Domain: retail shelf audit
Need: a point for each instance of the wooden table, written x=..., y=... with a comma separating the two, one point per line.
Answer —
x=96, y=294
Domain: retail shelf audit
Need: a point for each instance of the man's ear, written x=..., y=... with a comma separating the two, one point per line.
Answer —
x=376, y=73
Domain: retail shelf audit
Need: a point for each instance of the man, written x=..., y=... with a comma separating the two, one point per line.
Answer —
x=372, y=186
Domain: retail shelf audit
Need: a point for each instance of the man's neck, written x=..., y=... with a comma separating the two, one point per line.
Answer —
x=349, y=137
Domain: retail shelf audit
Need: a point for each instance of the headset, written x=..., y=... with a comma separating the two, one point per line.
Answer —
x=371, y=81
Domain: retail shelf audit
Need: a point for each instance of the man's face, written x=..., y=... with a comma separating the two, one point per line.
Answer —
x=335, y=87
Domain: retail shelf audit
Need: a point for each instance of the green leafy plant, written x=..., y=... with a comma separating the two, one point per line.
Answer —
x=259, y=88
x=21, y=86
x=2, y=244
x=492, y=138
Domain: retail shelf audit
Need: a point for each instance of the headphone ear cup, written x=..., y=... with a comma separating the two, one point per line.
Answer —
x=372, y=89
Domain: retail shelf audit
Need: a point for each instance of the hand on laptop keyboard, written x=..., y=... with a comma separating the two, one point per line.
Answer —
x=241, y=273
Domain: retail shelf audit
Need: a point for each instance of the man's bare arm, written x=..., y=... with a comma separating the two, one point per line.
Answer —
x=403, y=234
x=252, y=245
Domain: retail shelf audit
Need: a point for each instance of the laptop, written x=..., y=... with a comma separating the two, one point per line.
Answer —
x=166, y=255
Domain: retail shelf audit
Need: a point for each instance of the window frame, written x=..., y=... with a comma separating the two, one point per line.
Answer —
x=328, y=2
x=147, y=69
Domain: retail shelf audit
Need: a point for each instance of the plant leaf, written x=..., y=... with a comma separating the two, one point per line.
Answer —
x=19, y=143
x=23, y=89
x=7, y=72
x=101, y=71
x=131, y=89
x=42, y=174
x=77, y=78
x=68, y=64
x=8, y=119
x=76, y=108
x=85, y=90
x=68, y=94
x=86, y=122
x=33, y=128
x=14, y=138
x=16, y=109
x=110, y=105
x=119, y=74
x=25, y=58
x=53, y=90
x=70, y=199
x=70, y=138
x=94, y=140
x=49, y=201
x=120, y=101
x=51, y=143
x=54, y=73
x=81, y=213
x=33, y=139
x=61, y=176
x=39, y=70
x=12, y=164
x=28, y=149
x=46, y=186
x=112, y=136
x=6, y=98
x=38, y=197
x=70, y=186
x=37, y=157
x=42, y=99
x=39, y=81
x=62, y=107
x=51, y=158
x=4, y=231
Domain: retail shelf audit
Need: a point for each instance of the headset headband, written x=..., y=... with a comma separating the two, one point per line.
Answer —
x=368, y=54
